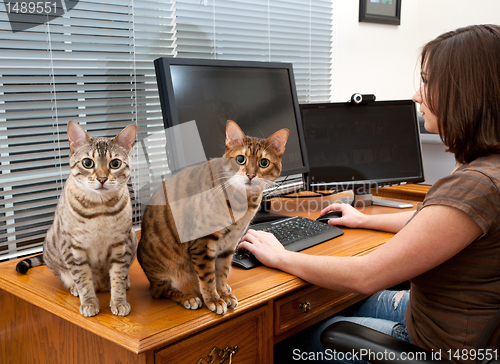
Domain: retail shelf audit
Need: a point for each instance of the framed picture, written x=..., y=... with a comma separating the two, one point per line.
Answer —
x=380, y=11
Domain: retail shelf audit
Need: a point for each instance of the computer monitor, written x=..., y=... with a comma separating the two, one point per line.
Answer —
x=259, y=96
x=362, y=146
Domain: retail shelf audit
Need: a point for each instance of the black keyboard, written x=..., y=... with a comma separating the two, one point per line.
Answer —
x=296, y=234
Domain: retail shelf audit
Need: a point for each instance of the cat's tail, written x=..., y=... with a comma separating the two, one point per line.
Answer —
x=24, y=265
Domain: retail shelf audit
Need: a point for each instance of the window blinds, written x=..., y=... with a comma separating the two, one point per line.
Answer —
x=295, y=31
x=94, y=65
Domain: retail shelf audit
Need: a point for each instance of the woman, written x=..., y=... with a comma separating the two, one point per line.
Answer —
x=450, y=248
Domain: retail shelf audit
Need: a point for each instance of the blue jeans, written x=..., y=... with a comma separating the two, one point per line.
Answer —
x=383, y=311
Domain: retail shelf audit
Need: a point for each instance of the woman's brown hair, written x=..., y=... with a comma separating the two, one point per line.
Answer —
x=462, y=71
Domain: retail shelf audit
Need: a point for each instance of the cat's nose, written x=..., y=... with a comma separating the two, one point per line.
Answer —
x=250, y=175
x=102, y=179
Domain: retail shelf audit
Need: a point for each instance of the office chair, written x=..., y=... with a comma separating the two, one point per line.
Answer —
x=348, y=337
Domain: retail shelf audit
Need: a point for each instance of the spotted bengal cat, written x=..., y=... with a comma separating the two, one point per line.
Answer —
x=194, y=221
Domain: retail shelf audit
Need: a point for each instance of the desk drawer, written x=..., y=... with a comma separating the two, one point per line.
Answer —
x=305, y=305
x=251, y=332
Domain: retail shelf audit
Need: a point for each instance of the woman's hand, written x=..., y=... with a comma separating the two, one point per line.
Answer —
x=266, y=248
x=350, y=216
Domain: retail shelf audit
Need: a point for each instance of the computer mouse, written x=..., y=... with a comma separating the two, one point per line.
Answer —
x=328, y=216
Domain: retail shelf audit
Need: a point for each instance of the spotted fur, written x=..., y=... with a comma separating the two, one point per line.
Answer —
x=91, y=243
x=189, y=271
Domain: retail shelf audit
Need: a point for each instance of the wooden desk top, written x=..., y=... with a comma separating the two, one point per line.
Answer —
x=411, y=191
x=157, y=322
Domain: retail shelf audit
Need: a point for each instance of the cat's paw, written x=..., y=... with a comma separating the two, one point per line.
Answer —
x=74, y=290
x=230, y=300
x=120, y=308
x=90, y=308
x=191, y=302
x=218, y=306
x=224, y=290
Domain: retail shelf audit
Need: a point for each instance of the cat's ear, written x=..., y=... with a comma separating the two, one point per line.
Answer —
x=277, y=141
x=234, y=135
x=76, y=136
x=126, y=138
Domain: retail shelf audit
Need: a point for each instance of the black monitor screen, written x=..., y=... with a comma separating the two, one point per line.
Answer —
x=259, y=96
x=351, y=144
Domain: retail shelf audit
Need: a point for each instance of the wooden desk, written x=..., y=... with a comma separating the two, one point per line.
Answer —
x=40, y=320
x=411, y=191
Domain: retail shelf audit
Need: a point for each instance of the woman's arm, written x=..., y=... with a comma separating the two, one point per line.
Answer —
x=355, y=219
x=435, y=235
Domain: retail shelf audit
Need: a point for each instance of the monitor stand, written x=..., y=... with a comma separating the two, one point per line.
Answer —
x=363, y=197
x=265, y=215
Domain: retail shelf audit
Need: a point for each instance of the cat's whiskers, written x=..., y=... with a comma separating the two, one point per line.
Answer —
x=215, y=193
x=222, y=178
x=219, y=189
x=267, y=183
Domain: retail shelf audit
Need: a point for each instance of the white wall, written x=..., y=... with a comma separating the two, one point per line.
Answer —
x=382, y=59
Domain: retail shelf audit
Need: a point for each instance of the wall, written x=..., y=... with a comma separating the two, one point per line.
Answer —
x=382, y=59
x=373, y=58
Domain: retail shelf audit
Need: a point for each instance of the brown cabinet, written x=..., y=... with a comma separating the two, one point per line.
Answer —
x=246, y=337
x=301, y=307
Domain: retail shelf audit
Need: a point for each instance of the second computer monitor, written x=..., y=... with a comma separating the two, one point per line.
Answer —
x=356, y=147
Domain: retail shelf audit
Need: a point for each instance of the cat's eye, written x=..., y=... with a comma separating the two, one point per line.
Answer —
x=88, y=163
x=241, y=159
x=115, y=164
x=264, y=163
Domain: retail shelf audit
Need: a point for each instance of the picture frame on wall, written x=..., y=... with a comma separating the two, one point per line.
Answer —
x=380, y=11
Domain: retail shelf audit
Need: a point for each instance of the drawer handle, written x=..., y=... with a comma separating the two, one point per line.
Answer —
x=221, y=355
x=305, y=306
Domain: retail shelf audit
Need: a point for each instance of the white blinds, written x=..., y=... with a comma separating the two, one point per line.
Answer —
x=94, y=65
x=296, y=31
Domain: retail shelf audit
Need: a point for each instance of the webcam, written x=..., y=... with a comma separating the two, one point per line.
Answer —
x=361, y=99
